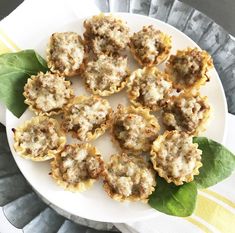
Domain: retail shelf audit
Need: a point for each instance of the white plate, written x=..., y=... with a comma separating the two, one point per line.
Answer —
x=94, y=204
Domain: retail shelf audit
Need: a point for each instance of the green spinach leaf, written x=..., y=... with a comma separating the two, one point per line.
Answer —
x=218, y=162
x=174, y=200
x=15, y=69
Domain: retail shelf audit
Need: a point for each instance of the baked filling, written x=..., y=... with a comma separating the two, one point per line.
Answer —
x=106, y=75
x=106, y=34
x=65, y=53
x=77, y=167
x=128, y=177
x=175, y=157
x=188, y=68
x=47, y=94
x=87, y=117
x=38, y=138
x=150, y=46
x=187, y=113
x=149, y=87
x=134, y=129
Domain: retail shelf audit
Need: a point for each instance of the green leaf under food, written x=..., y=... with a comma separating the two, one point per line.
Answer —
x=174, y=200
x=15, y=69
x=218, y=162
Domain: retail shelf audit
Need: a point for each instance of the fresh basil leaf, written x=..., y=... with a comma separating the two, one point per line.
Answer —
x=218, y=162
x=174, y=200
x=15, y=69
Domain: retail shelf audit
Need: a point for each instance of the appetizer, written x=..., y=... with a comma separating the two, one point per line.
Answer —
x=106, y=34
x=134, y=129
x=187, y=112
x=77, y=167
x=66, y=53
x=175, y=157
x=188, y=68
x=106, y=75
x=47, y=94
x=129, y=178
x=150, y=46
x=87, y=117
x=39, y=139
x=149, y=87
x=145, y=154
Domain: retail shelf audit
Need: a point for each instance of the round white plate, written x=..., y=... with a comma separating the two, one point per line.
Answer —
x=94, y=203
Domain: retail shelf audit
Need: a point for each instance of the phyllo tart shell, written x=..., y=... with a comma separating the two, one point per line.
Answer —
x=106, y=34
x=149, y=87
x=134, y=129
x=188, y=112
x=66, y=53
x=87, y=117
x=39, y=139
x=129, y=178
x=188, y=68
x=47, y=94
x=77, y=167
x=175, y=157
x=150, y=46
x=106, y=75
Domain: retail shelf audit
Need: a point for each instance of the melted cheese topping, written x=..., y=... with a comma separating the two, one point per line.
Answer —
x=133, y=131
x=148, y=44
x=47, y=92
x=66, y=53
x=79, y=164
x=106, y=33
x=176, y=157
x=149, y=87
x=128, y=176
x=106, y=73
x=186, y=113
x=86, y=116
x=38, y=139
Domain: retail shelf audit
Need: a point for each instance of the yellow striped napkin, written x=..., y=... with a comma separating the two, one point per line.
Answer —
x=215, y=210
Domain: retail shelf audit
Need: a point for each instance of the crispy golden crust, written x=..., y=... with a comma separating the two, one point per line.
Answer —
x=61, y=177
x=149, y=87
x=167, y=162
x=134, y=129
x=188, y=112
x=34, y=84
x=106, y=75
x=188, y=68
x=99, y=129
x=63, y=59
x=106, y=34
x=46, y=154
x=133, y=168
x=150, y=54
